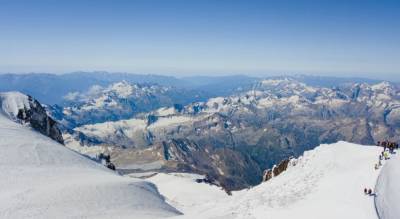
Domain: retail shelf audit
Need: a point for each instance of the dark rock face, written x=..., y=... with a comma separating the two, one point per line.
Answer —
x=276, y=170
x=225, y=167
x=267, y=175
x=222, y=166
x=151, y=119
x=37, y=117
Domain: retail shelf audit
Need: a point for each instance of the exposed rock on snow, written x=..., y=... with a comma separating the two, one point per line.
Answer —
x=24, y=109
x=278, y=169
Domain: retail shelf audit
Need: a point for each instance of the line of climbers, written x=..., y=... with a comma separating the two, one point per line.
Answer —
x=388, y=148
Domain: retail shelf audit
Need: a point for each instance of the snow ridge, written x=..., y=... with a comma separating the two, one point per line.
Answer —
x=326, y=182
x=387, y=190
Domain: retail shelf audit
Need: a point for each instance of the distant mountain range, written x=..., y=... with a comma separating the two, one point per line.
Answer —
x=233, y=139
x=50, y=88
x=230, y=128
x=120, y=100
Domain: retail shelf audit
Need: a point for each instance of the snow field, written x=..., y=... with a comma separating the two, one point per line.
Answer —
x=327, y=182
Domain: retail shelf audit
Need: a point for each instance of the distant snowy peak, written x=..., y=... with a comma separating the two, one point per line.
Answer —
x=382, y=86
x=121, y=89
x=121, y=100
x=117, y=101
x=288, y=91
x=286, y=84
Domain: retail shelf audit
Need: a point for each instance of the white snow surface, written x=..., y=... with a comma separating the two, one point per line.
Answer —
x=326, y=182
x=388, y=191
x=43, y=179
x=11, y=102
x=184, y=193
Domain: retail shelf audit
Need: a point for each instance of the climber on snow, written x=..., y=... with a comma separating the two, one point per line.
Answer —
x=386, y=155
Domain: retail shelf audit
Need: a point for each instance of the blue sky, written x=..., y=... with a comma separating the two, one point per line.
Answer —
x=350, y=38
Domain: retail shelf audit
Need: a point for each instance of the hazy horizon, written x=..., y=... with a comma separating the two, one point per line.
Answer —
x=392, y=78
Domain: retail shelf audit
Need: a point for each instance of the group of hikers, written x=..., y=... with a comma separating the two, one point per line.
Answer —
x=388, y=145
x=383, y=155
x=388, y=148
x=368, y=191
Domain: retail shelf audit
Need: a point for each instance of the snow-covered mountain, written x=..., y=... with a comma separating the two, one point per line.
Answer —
x=50, y=88
x=43, y=179
x=117, y=101
x=234, y=139
x=40, y=178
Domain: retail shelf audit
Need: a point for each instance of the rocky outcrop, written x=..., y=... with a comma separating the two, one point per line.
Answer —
x=37, y=117
x=276, y=170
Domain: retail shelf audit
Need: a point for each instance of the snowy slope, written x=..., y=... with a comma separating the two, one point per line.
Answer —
x=387, y=189
x=188, y=195
x=42, y=179
x=326, y=182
